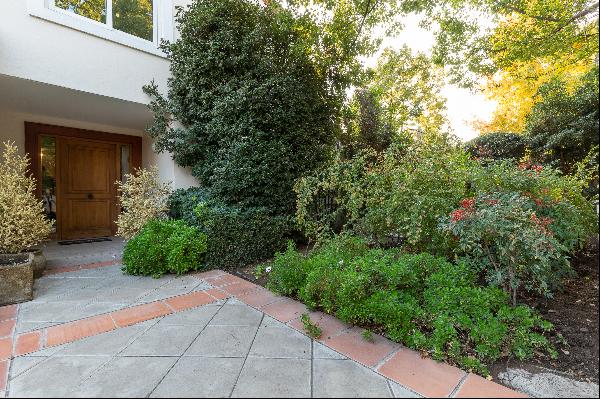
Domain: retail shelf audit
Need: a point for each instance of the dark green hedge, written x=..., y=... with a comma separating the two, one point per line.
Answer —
x=236, y=237
x=497, y=146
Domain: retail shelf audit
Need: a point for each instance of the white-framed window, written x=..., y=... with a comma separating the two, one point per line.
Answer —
x=140, y=24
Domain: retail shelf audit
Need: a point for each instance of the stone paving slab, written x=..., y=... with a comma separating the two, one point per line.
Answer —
x=218, y=347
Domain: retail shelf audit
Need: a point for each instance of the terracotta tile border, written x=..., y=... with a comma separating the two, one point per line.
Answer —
x=74, y=268
x=404, y=366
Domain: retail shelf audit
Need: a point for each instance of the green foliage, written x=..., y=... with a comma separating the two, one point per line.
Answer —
x=402, y=194
x=483, y=36
x=501, y=234
x=254, y=111
x=554, y=195
x=563, y=127
x=165, y=246
x=497, y=146
x=310, y=327
x=237, y=237
x=422, y=301
x=183, y=201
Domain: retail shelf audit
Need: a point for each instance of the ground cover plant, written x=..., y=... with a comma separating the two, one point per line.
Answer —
x=424, y=302
x=165, y=246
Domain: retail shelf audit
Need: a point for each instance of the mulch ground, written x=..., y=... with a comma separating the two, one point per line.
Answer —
x=574, y=313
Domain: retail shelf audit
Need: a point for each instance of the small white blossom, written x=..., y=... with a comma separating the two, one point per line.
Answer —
x=268, y=269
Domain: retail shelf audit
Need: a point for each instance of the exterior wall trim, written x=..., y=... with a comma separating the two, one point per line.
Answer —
x=164, y=25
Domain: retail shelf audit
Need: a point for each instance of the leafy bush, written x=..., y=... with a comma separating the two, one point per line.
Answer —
x=255, y=113
x=183, y=201
x=22, y=220
x=563, y=127
x=237, y=237
x=422, y=301
x=142, y=198
x=497, y=146
x=401, y=195
x=165, y=246
x=554, y=195
x=502, y=235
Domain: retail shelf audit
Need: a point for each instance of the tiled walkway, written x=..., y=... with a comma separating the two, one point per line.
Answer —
x=96, y=332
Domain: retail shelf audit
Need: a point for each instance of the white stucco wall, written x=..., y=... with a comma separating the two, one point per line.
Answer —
x=40, y=50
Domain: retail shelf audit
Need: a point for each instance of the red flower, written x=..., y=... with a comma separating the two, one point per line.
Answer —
x=458, y=214
x=537, y=168
x=467, y=203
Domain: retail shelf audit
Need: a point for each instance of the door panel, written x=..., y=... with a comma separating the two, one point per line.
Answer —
x=87, y=194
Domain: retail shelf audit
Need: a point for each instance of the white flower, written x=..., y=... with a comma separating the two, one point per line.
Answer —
x=341, y=262
x=268, y=269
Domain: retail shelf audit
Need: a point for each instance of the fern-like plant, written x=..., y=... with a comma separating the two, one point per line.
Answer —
x=23, y=223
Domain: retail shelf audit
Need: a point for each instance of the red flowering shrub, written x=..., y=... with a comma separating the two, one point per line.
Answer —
x=501, y=235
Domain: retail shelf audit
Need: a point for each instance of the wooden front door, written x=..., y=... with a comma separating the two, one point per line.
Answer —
x=87, y=192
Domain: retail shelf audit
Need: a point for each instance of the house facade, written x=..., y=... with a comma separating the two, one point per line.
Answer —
x=71, y=77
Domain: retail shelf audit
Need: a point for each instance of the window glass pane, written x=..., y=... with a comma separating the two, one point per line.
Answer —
x=92, y=9
x=125, y=161
x=133, y=17
x=48, y=162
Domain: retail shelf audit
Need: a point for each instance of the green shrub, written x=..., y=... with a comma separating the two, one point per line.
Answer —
x=237, y=237
x=502, y=235
x=254, y=110
x=552, y=195
x=497, y=146
x=183, y=201
x=165, y=246
x=422, y=301
x=402, y=195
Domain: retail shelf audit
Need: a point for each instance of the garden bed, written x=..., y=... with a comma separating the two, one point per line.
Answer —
x=574, y=313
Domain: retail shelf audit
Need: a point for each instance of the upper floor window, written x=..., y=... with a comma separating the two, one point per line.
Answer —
x=135, y=17
x=140, y=24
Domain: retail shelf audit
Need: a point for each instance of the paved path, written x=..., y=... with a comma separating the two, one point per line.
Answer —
x=96, y=332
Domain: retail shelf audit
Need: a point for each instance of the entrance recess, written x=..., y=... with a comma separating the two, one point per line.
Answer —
x=76, y=171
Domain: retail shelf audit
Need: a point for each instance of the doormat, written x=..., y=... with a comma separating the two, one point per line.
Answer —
x=84, y=241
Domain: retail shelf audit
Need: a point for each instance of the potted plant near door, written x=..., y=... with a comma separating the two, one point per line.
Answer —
x=23, y=225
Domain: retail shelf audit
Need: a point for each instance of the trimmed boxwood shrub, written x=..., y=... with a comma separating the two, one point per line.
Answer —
x=237, y=237
x=165, y=246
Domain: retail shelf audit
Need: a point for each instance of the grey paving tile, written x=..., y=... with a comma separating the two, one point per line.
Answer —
x=163, y=340
x=263, y=378
x=54, y=377
x=223, y=341
x=23, y=363
x=401, y=392
x=280, y=342
x=125, y=377
x=199, y=316
x=347, y=379
x=200, y=377
x=106, y=344
x=232, y=315
x=320, y=351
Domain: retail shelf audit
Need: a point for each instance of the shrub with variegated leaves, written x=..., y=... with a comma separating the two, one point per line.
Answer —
x=23, y=223
x=143, y=197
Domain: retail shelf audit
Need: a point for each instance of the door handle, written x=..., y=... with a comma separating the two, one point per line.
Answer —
x=90, y=196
